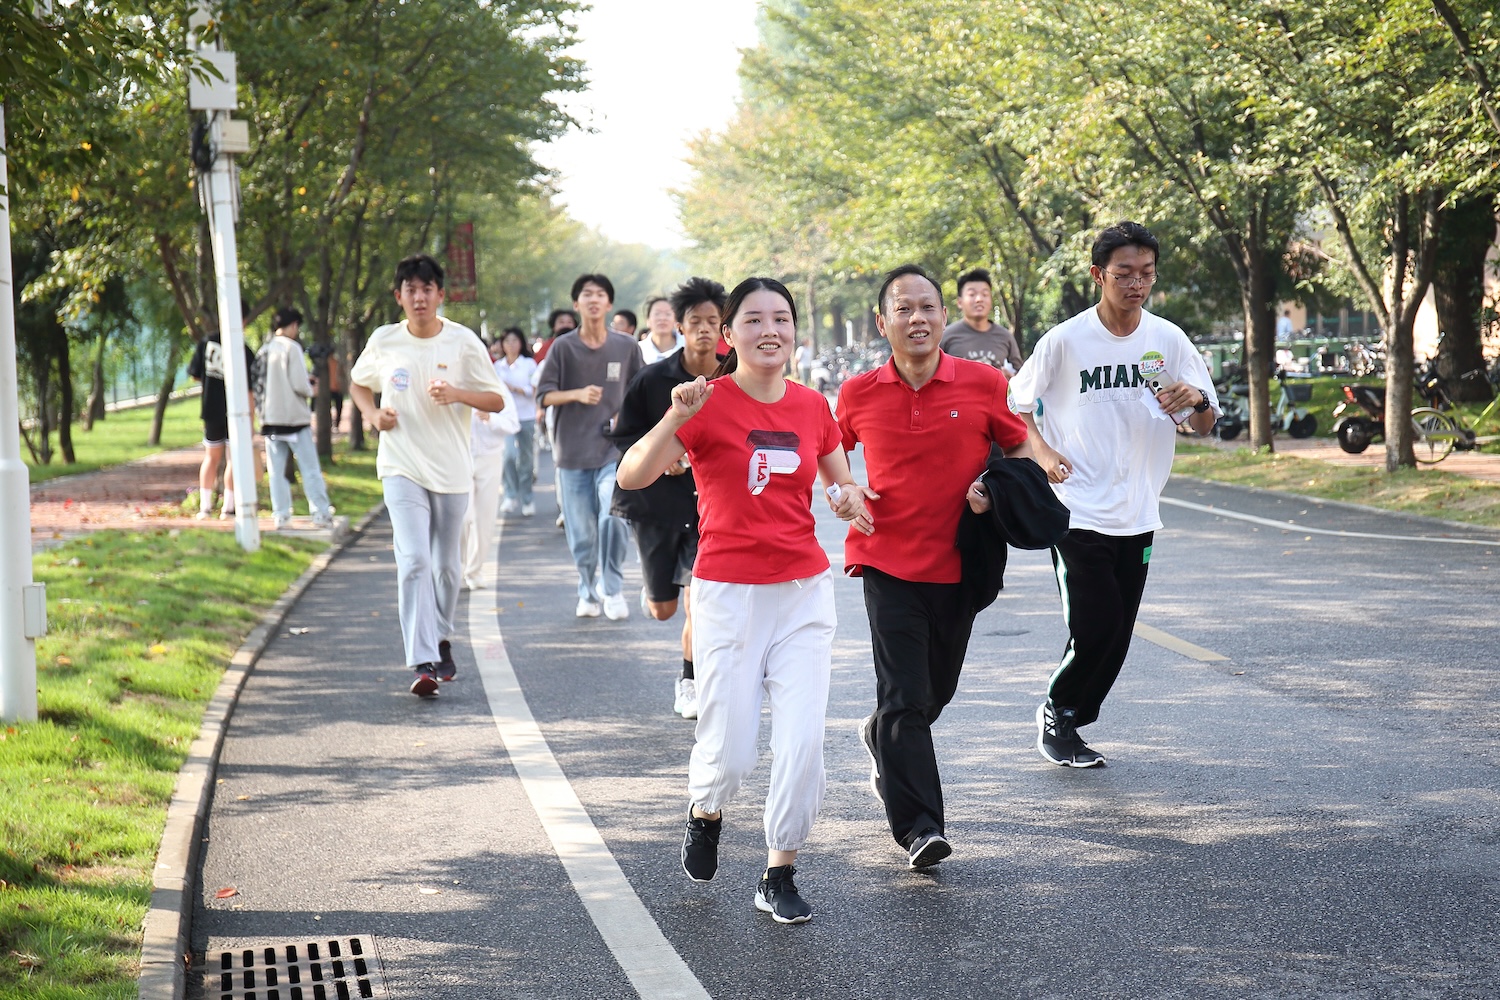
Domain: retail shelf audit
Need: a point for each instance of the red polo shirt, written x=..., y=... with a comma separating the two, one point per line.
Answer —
x=923, y=448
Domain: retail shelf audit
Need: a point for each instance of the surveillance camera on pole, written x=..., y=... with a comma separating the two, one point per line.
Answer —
x=220, y=198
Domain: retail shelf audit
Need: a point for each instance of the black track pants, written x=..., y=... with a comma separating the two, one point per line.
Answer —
x=1101, y=579
x=920, y=633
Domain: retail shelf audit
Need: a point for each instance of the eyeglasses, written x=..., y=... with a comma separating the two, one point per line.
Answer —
x=1132, y=281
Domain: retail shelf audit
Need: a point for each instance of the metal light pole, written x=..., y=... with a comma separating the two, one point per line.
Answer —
x=219, y=98
x=23, y=603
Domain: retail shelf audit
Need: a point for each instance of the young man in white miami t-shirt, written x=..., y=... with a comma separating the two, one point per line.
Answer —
x=1113, y=382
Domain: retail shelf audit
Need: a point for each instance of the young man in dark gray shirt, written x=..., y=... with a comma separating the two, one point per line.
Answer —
x=584, y=376
x=975, y=337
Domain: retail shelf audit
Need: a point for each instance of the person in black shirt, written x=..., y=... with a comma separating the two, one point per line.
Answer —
x=207, y=366
x=664, y=515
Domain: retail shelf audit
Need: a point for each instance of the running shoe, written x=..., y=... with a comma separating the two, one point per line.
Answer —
x=1057, y=738
x=700, y=847
x=927, y=849
x=778, y=896
x=686, y=703
x=446, y=668
x=616, y=608
x=425, y=683
x=867, y=737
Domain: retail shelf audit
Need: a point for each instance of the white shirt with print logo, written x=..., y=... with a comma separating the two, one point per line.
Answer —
x=1090, y=384
x=430, y=443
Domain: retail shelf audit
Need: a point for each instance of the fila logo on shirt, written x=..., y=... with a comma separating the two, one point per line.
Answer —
x=771, y=453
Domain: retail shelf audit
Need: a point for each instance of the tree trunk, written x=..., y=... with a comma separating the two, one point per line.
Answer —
x=1398, y=382
x=94, y=410
x=65, y=398
x=1256, y=295
x=1458, y=293
x=355, y=340
x=43, y=412
x=839, y=337
x=164, y=394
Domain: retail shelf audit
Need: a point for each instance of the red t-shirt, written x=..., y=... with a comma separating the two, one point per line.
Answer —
x=754, y=464
x=923, y=447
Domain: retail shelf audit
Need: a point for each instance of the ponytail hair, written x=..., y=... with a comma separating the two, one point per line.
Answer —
x=732, y=308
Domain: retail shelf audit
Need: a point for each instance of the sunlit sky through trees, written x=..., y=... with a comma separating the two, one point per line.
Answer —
x=659, y=72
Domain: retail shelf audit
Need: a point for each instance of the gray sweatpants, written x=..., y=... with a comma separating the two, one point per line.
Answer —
x=426, y=527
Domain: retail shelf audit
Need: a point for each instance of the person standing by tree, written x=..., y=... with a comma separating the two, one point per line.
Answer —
x=927, y=422
x=805, y=361
x=1107, y=450
x=429, y=371
x=763, y=609
x=207, y=367
x=286, y=422
x=662, y=335
x=976, y=337
x=665, y=513
x=584, y=377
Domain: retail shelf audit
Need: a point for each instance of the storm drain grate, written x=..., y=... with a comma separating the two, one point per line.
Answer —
x=333, y=969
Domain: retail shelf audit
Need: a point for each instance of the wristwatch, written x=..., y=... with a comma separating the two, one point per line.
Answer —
x=1202, y=406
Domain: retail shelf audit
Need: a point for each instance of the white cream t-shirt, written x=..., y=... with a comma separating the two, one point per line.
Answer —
x=430, y=443
x=1090, y=384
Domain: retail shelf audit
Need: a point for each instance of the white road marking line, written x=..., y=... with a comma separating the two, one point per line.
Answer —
x=1167, y=640
x=654, y=968
x=1303, y=529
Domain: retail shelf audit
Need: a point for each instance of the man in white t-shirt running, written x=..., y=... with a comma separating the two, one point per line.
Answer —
x=429, y=372
x=1113, y=382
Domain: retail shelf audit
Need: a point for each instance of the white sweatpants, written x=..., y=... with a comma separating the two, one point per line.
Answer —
x=484, y=507
x=425, y=529
x=750, y=641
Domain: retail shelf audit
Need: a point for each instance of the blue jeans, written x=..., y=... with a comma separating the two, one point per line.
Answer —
x=306, y=453
x=595, y=537
x=518, y=459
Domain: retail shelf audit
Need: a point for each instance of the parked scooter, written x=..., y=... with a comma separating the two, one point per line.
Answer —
x=1360, y=419
x=1288, y=417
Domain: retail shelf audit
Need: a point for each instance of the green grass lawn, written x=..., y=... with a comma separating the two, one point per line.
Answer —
x=1425, y=492
x=121, y=437
x=142, y=625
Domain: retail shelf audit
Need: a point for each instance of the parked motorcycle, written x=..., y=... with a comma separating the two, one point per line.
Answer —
x=1360, y=419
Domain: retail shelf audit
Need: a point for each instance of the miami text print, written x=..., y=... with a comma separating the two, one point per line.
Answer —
x=771, y=452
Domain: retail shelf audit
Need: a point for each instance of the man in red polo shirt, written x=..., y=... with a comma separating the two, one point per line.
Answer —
x=927, y=421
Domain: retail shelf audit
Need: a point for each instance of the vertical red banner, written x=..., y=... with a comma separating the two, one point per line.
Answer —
x=463, y=282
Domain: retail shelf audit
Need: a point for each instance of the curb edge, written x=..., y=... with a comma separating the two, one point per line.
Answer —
x=167, y=929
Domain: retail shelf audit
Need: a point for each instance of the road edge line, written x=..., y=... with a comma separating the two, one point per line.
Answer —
x=1167, y=640
x=167, y=929
x=631, y=934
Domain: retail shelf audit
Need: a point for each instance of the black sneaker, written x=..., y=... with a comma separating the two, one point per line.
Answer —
x=927, y=849
x=778, y=896
x=867, y=737
x=700, y=847
x=446, y=668
x=424, y=684
x=1057, y=737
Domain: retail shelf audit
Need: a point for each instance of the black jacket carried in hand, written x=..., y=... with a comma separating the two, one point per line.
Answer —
x=1024, y=512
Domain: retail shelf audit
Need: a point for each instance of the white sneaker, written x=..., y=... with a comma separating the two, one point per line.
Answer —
x=686, y=704
x=559, y=519
x=587, y=608
x=324, y=521
x=616, y=609
x=281, y=522
x=528, y=510
x=507, y=506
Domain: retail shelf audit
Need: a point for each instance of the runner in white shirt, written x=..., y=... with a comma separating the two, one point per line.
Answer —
x=429, y=372
x=1110, y=381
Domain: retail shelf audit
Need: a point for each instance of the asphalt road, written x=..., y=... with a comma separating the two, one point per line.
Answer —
x=1316, y=816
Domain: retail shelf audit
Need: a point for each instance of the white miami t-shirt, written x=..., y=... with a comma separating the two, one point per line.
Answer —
x=1090, y=384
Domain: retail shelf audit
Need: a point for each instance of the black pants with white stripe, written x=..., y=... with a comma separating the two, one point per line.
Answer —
x=919, y=633
x=1101, y=579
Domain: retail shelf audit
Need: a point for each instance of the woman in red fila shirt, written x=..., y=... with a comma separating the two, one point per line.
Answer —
x=763, y=616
